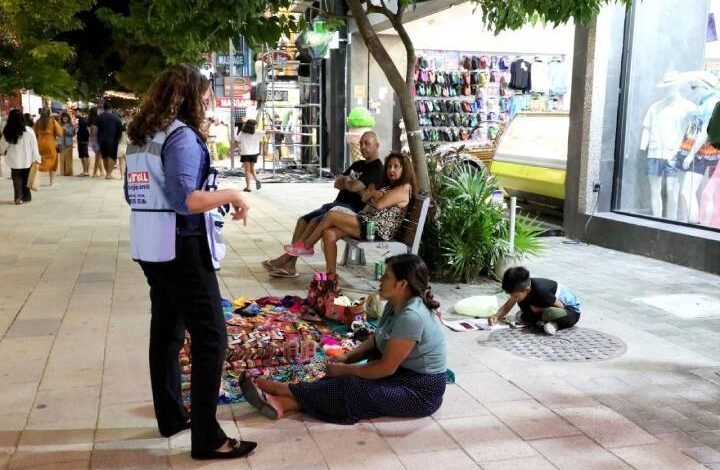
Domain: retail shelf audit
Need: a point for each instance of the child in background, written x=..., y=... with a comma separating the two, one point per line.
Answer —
x=543, y=302
x=248, y=141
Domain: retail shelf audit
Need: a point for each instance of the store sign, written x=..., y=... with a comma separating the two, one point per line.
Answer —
x=238, y=87
x=233, y=103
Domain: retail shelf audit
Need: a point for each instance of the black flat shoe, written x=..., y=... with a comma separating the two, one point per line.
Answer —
x=247, y=190
x=239, y=449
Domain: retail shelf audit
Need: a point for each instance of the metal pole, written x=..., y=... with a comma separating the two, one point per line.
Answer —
x=232, y=102
x=513, y=208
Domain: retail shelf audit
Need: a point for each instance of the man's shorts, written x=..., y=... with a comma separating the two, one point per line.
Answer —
x=108, y=149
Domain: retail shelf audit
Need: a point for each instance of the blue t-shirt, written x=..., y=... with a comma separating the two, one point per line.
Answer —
x=416, y=322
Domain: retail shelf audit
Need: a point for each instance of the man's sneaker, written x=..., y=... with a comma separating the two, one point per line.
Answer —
x=550, y=328
x=299, y=249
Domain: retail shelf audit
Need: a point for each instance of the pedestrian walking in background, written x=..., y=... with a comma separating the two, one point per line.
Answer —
x=97, y=165
x=66, y=145
x=28, y=120
x=109, y=130
x=20, y=146
x=83, y=141
x=166, y=186
x=122, y=149
x=248, y=141
x=47, y=131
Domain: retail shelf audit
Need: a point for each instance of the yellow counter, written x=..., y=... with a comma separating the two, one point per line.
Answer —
x=548, y=182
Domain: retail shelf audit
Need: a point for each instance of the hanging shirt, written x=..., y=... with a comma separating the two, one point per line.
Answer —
x=520, y=75
x=540, y=80
x=557, y=75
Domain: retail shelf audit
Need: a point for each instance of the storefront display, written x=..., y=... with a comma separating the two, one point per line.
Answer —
x=667, y=165
x=472, y=96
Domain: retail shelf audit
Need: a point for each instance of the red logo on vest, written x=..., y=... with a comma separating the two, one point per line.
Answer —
x=138, y=177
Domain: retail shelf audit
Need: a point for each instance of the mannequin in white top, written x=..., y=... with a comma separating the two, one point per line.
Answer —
x=663, y=129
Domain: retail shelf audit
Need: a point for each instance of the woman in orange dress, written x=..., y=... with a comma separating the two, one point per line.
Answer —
x=47, y=131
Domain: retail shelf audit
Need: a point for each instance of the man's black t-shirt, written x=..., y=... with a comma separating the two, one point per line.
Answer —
x=109, y=128
x=542, y=295
x=367, y=173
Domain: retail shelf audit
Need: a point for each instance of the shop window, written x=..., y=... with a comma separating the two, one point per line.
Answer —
x=667, y=170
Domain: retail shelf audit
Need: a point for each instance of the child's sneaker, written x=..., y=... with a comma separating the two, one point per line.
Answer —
x=299, y=249
x=550, y=328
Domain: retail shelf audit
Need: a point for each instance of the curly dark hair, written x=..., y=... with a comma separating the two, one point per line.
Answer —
x=408, y=172
x=176, y=94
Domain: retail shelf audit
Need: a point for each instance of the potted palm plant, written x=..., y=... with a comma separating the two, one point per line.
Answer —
x=469, y=232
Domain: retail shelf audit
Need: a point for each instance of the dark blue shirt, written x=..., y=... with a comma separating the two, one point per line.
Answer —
x=187, y=161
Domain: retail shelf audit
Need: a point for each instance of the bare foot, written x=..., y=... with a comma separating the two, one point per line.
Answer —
x=271, y=387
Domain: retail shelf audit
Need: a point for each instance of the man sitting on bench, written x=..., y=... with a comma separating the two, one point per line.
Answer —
x=362, y=177
x=385, y=208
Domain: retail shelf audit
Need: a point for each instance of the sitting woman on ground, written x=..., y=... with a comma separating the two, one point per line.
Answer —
x=404, y=375
x=385, y=207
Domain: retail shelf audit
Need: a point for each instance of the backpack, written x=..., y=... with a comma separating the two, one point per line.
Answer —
x=713, y=127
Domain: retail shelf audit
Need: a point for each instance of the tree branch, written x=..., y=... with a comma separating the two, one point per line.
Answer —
x=409, y=48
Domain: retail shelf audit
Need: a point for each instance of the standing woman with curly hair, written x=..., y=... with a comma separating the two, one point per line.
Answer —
x=47, y=131
x=167, y=184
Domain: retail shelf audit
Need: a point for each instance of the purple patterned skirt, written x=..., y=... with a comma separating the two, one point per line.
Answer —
x=348, y=399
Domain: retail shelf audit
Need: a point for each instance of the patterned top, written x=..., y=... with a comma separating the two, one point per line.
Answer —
x=387, y=220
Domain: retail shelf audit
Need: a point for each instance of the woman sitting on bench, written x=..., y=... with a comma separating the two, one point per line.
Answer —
x=385, y=207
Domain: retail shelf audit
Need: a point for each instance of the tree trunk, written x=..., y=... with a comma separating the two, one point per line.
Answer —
x=401, y=88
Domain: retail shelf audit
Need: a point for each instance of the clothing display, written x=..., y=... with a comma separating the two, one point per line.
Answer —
x=520, y=75
x=540, y=77
x=461, y=97
x=557, y=75
x=664, y=125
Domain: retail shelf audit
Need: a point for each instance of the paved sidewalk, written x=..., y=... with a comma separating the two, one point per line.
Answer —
x=75, y=393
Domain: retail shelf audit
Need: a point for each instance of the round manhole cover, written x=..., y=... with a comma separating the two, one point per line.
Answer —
x=571, y=345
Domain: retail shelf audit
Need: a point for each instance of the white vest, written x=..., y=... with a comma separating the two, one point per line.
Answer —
x=153, y=226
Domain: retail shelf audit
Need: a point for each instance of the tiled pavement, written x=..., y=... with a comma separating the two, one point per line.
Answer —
x=74, y=387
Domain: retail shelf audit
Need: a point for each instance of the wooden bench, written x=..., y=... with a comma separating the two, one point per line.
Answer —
x=407, y=239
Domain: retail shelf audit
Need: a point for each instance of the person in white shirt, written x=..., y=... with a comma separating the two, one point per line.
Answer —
x=248, y=141
x=19, y=144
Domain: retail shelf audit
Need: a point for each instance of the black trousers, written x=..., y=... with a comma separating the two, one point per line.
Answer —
x=20, y=179
x=184, y=293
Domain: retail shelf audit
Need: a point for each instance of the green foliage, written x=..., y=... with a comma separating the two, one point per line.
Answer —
x=223, y=150
x=82, y=48
x=500, y=15
x=30, y=54
x=184, y=31
x=468, y=233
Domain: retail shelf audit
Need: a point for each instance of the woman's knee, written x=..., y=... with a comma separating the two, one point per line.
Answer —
x=330, y=236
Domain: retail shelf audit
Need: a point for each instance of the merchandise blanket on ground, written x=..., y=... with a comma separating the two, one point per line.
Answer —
x=272, y=337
